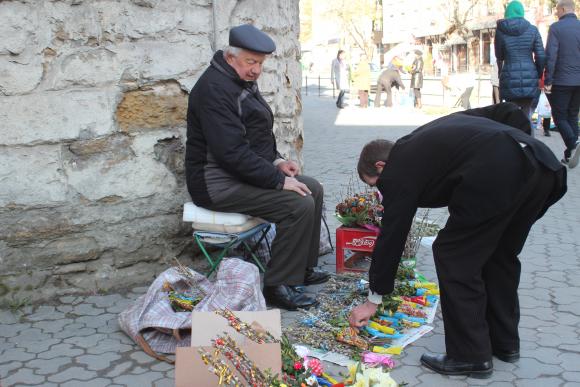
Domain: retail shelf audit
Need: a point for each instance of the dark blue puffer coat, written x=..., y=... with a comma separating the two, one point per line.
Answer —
x=519, y=72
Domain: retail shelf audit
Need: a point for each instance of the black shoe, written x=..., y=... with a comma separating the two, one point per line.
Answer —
x=547, y=133
x=574, y=156
x=285, y=297
x=510, y=356
x=443, y=364
x=299, y=288
x=314, y=277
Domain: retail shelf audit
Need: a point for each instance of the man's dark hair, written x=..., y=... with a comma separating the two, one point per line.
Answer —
x=338, y=53
x=376, y=150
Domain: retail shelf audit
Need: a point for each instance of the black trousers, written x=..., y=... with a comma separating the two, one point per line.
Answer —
x=565, y=103
x=479, y=272
x=297, y=218
x=339, y=100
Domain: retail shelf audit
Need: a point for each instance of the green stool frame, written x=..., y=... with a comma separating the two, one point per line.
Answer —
x=226, y=241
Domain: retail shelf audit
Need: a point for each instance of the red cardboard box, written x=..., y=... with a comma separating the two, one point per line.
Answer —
x=352, y=244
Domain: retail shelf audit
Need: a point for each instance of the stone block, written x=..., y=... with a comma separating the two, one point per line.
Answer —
x=87, y=68
x=21, y=178
x=161, y=105
x=20, y=74
x=134, y=177
x=56, y=116
x=16, y=28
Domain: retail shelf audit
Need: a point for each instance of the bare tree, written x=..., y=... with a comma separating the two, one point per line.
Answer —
x=458, y=16
x=357, y=18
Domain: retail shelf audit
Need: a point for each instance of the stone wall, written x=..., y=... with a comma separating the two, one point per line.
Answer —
x=93, y=99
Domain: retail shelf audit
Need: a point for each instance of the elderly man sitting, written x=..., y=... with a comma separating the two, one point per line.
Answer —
x=232, y=165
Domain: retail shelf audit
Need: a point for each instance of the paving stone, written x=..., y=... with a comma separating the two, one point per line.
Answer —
x=48, y=366
x=17, y=354
x=52, y=326
x=22, y=376
x=61, y=350
x=529, y=368
x=164, y=383
x=146, y=379
x=110, y=327
x=120, y=305
x=7, y=317
x=87, y=310
x=5, y=345
x=74, y=330
x=110, y=345
x=140, y=290
x=139, y=370
x=119, y=369
x=142, y=358
x=104, y=301
x=71, y=373
x=96, y=321
x=571, y=376
x=100, y=382
x=28, y=335
x=85, y=341
x=68, y=299
x=540, y=382
x=45, y=312
x=544, y=355
x=162, y=366
x=570, y=361
x=39, y=346
x=170, y=374
x=65, y=308
x=98, y=362
x=7, y=367
x=11, y=330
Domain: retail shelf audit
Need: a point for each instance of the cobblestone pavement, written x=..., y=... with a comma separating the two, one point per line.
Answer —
x=76, y=341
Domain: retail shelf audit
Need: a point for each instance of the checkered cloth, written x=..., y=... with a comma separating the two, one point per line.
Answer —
x=153, y=324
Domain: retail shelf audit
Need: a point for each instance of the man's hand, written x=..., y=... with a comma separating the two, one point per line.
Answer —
x=289, y=168
x=360, y=315
x=547, y=89
x=291, y=184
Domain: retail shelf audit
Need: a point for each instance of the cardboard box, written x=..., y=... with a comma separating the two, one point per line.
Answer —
x=190, y=370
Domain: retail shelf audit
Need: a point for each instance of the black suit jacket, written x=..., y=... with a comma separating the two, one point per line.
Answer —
x=474, y=165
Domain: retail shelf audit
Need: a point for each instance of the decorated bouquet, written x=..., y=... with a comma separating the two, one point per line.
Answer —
x=361, y=210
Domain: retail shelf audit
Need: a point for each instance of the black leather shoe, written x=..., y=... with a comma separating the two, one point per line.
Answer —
x=510, y=356
x=285, y=297
x=314, y=277
x=443, y=364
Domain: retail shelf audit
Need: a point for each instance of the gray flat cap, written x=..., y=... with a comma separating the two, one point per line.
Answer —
x=250, y=38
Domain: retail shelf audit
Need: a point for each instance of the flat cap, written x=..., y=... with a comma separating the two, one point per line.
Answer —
x=250, y=38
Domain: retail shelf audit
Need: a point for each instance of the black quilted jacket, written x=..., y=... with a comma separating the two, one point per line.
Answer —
x=520, y=58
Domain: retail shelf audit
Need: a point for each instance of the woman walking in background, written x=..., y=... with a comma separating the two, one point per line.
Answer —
x=520, y=58
x=417, y=78
x=339, y=75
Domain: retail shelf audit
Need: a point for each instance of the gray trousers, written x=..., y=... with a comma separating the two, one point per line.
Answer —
x=297, y=218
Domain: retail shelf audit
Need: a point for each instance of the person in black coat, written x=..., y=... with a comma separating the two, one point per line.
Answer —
x=232, y=165
x=496, y=181
x=417, y=78
x=562, y=83
x=388, y=78
x=520, y=58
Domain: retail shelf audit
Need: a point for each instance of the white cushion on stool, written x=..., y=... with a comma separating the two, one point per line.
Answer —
x=229, y=222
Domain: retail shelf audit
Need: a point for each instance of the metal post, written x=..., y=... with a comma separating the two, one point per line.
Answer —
x=307, y=85
x=319, y=85
x=478, y=89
